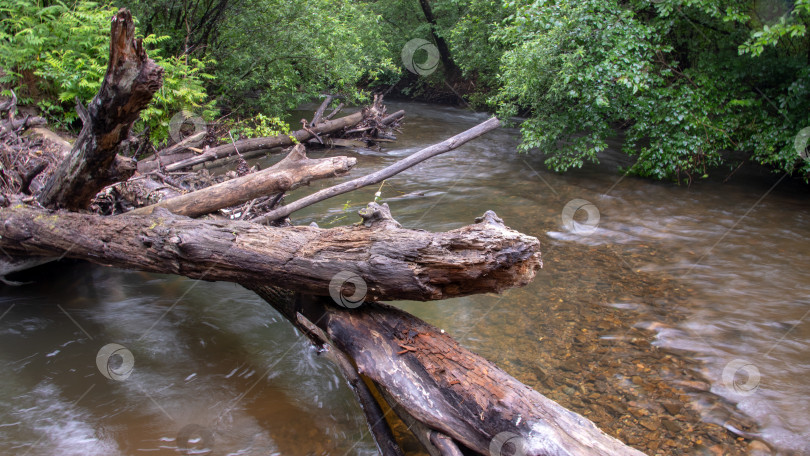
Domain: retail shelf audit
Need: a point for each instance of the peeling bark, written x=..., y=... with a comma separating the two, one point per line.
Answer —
x=424, y=372
x=292, y=172
x=394, y=263
x=131, y=80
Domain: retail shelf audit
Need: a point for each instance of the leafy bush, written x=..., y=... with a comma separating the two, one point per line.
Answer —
x=687, y=80
x=53, y=54
x=275, y=55
x=260, y=126
x=690, y=79
x=578, y=66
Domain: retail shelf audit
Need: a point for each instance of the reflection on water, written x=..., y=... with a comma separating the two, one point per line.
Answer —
x=709, y=274
x=209, y=356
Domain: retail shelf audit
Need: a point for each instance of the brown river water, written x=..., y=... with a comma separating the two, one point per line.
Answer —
x=680, y=323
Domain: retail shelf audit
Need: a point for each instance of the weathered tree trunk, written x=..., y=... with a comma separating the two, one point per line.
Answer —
x=131, y=80
x=292, y=172
x=371, y=408
x=392, y=117
x=154, y=162
x=318, y=116
x=451, y=70
x=248, y=145
x=394, y=263
x=444, y=386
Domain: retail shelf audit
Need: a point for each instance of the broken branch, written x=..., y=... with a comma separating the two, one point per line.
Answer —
x=292, y=172
x=379, y=176
x=283, y=140
x=131, y=80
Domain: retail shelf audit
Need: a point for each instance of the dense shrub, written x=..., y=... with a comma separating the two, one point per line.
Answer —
x=53, y=53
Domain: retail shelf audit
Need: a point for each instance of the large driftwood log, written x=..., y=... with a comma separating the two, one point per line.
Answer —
x=131, y=80
x=288, y=174
x=446, y=387
x=375, y=417
x=394, y=263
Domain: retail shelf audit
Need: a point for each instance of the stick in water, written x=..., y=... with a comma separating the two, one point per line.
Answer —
x=379, y=176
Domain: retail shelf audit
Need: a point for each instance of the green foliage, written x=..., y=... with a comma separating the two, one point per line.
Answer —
x=404, y=20
x=183, y=89
x=689, y=79
x=55, y=53
x=260, y=126
x=686, y=80
x=472, y=40
x=578, y=65
x=276, y=54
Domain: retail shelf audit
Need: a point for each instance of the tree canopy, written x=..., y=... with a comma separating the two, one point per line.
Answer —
x=688, y=83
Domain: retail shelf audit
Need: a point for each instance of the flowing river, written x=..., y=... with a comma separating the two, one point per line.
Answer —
x=678, y=323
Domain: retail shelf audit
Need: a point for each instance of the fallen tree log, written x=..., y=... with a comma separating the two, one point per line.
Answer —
x=362, y=142
x=290, y=173
x=317, y=117
x=129, y=83
x=248, y=145
x=375, y=417
x=392, y=117
x=444, y=386
x=394, y=263
x=191, y=141
x=154, y=162
x=171, y=154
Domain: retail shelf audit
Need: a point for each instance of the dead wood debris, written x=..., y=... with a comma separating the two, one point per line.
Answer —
x=377, y=127
x=26, y=162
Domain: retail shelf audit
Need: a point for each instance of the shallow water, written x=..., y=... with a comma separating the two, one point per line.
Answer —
x=716, y=276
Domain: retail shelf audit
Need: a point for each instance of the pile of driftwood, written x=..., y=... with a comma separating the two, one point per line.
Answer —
x=326, y=282
x=22, y=158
